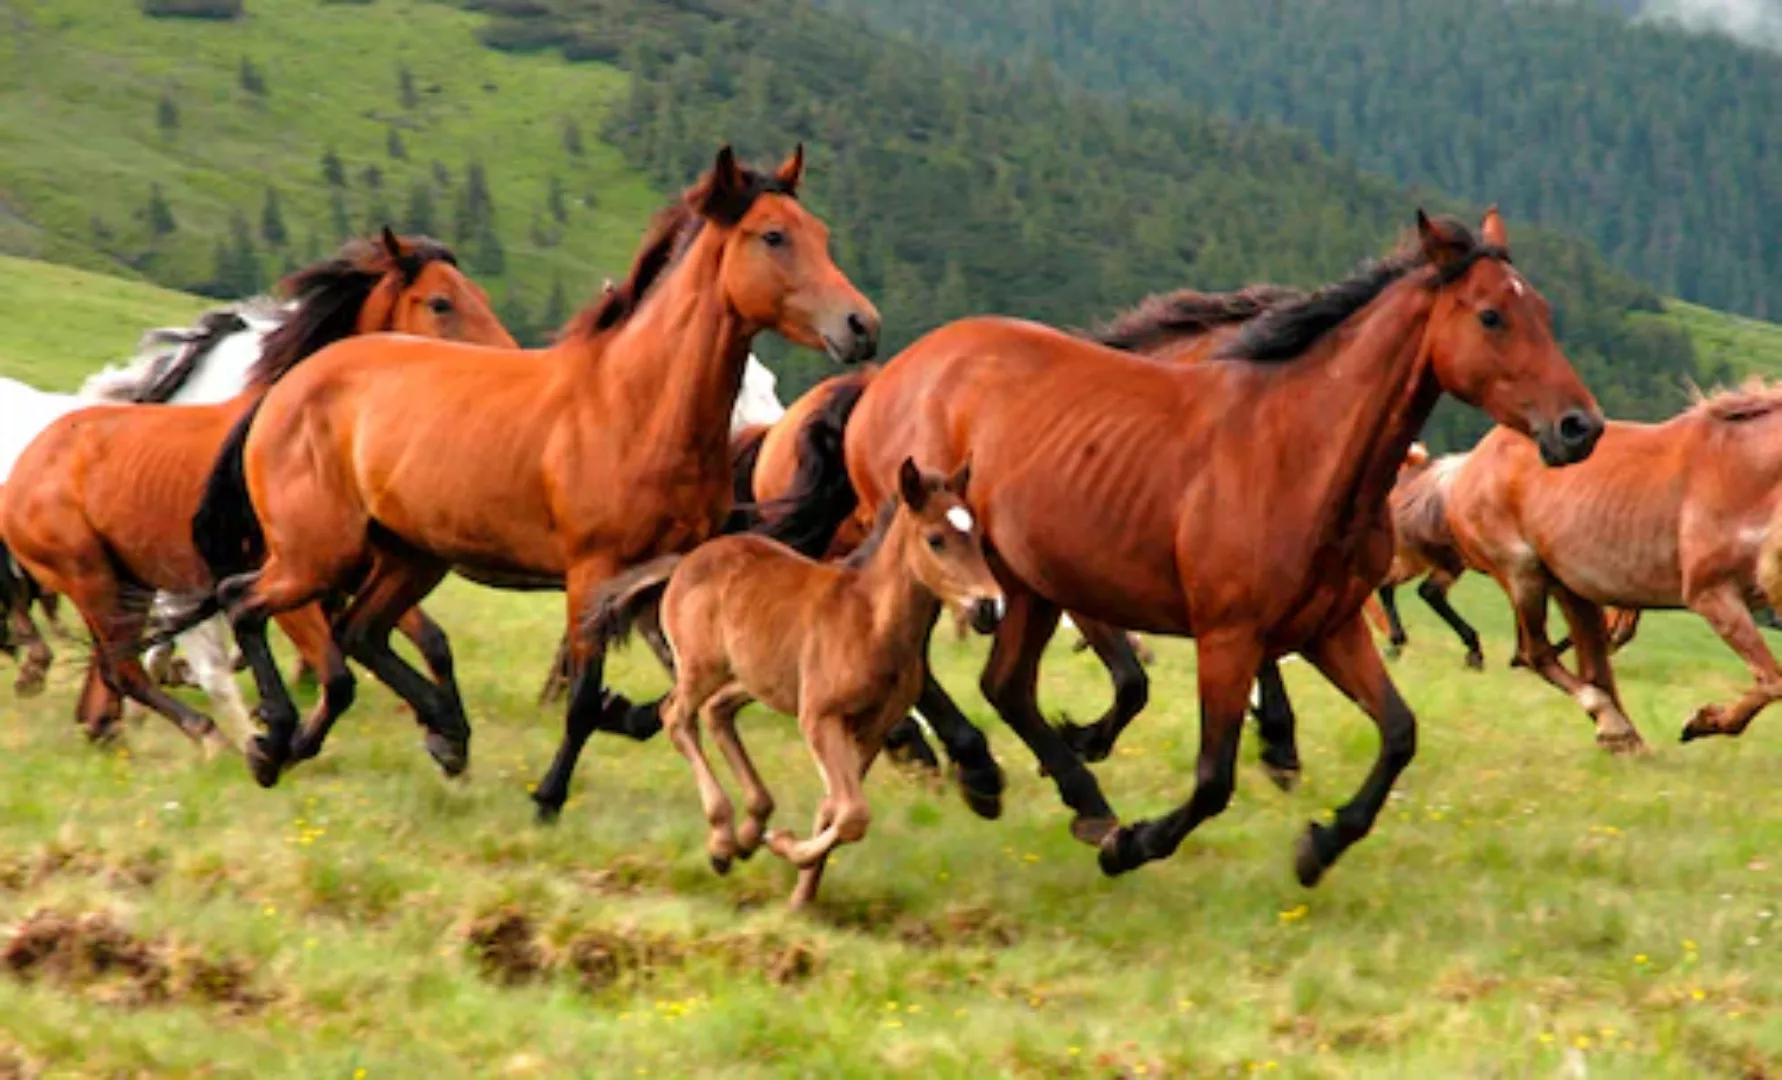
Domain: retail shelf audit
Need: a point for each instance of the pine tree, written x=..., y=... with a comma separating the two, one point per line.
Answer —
x=393, y=146
x=272, y=222
x=559, y=208
x=167, y=115
x=372, y=177
x=333, y=172
x=405, y=84
x=159, y=214
x=418, y=219
x=237, y=271
x=572, y=138
x=441, y=175
x=487, y=257
x=253, y=80
x=556, y=312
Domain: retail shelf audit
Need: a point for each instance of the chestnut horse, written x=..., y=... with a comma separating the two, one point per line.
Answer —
x=99, y=506
x=1682, y=514
x=1242, y=501
x=840, y=646
x=382, y=463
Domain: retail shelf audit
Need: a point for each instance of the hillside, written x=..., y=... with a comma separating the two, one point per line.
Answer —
x=955, y=188
x=1660, y=147
x=59, y=324
x=1736, y=346
x=101, y=106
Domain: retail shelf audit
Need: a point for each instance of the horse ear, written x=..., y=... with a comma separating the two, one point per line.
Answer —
x=910, y=486
x=1493, y=231
x=392, y=245
x=1440, y=244
x=727, y=177
x=960, y=478
x=792, y=170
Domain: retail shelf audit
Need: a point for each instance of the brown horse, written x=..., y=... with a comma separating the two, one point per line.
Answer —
x=840, y=646
x=1425, y=549
x=99, y=507
x=1241, y=501
x=19, y=636
x=383, y=463
x=1663, y=516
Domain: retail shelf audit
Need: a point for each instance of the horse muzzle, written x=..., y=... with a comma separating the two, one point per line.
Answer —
x=1571, y=439
x=987, y=613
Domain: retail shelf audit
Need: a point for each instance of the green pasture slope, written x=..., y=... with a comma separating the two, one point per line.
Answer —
x=81, y=85
x=58, y=324
x=1744, y=347
x=1527, y=906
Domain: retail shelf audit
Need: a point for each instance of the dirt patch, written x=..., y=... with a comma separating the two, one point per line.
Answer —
x=137, y=870
x=17, y=1065
x=969, y=927
x=505, y=946
x=93, y=955
x=509, y=949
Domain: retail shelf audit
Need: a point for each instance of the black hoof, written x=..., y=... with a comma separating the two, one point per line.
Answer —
x=1690, y=734
x=982, y=789
x=1475, y=661
x=1314, y=853
x=547, y=812
x=1120, y=851
x=1093, y=831
x=721, y=864
x=1284, y=776
x=452, y=755
x=263, y=762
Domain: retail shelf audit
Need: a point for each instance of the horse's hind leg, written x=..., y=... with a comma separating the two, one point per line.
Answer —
x=37, y=656
x=1277, y=726
x=1132, y=689
x=1528, y=596
x=116, y=636
x=429, y=639
x=1395, y=633
x=1347, y=658
x=975, y=770
x=397, y=582
x=1228, y=665
x=680, y=720
x=1009, y=682
x=1623, y=624
x=100, y=708
x=207, y=647
x=1434, y=591
x=719, y=717
x=1723, y=606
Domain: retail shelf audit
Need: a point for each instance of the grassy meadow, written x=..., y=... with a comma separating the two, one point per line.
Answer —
x=1527, y=906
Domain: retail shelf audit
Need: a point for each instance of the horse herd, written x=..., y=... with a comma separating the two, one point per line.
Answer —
x=1237, y=468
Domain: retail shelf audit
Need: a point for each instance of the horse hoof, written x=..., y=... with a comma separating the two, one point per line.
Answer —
x=452, y=755
x=1475, y=661
x=28, y=686
x=720, y=864
x=1284, y=777
x=913, y=754
x=1309, y=862
x=1119, y=852
x=982, y=790
x=1626, y=745
x=1394, y=651
x=1094, y=831
x=546, y=813
x=262, y=763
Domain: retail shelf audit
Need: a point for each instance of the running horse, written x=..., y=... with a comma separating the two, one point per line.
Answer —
x=99, y=506
x=1242, y=501
x=1681, y=514
x=383, y=463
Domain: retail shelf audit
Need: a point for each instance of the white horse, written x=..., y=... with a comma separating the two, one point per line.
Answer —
x=203, y=364
x=756, y=402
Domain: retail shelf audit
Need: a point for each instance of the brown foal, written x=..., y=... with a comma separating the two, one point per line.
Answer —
x=839, y=645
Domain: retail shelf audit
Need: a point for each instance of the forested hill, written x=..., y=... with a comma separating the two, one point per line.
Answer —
x=1664, y=148
x=954, y=189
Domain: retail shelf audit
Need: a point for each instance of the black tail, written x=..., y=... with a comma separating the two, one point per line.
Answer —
x=617, y=603
x=744, y=514
x=225, y=530
x=822, y=497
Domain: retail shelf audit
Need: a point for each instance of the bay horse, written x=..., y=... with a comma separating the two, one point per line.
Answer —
x=841, y=646
x=382, y=463
x=1242, y=501
x=1680, y=514
x=99, y=506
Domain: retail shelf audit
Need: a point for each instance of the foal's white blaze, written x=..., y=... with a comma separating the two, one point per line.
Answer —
x=960, y=518
x=1516, y=282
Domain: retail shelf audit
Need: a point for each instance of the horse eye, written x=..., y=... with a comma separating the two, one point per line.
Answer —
x=936, y=542
x=1490, y=319
x=774, y=238
x=439, y=305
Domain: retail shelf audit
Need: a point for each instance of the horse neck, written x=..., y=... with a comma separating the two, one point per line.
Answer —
x=903, y=608
x=679, y=357
x=1375, y=388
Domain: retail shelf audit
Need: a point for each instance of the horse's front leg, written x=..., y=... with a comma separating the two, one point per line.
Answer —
x=1132, y=690
x=1277, y=726
x=1347, y=658
x=1723, y=606
x=1228, y=661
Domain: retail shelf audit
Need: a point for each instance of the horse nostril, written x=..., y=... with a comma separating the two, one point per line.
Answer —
x=1577, y=427
x=856, y=325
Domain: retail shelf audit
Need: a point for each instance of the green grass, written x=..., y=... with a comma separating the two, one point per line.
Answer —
x=1524, y=899
x=80, y=146
x=94, y=320
x=1744, y=347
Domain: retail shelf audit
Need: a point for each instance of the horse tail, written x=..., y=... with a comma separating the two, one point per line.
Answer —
x=618, y=602
x=745, y=452
x=821, y=497
x=225, y=530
